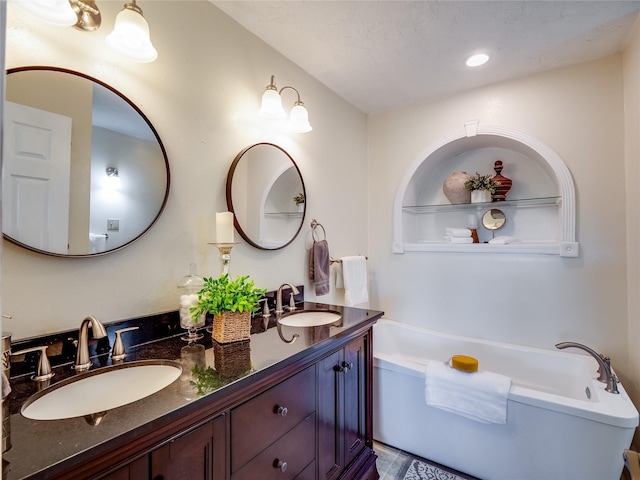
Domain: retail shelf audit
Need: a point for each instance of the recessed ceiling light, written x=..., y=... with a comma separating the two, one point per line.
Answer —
x=477, y=60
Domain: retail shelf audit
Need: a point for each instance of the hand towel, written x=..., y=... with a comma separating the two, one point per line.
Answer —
x=319, y=266
x=337, y=267
x=354, y=276
x=479, y=396
x=6, y=386
x=459, y=239
x=457, y=232
x=97, y=243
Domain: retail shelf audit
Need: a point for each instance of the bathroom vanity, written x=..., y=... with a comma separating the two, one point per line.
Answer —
x=258, y=409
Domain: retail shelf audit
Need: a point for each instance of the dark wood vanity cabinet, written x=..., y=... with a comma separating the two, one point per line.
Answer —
x=308, y=420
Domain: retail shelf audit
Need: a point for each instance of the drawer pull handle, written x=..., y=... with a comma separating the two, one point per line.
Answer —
x=282, y=466
x=282, y=411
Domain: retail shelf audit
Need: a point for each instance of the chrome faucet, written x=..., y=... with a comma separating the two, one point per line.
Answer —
x=606, y=374
x=279, y=310
x=83, y=361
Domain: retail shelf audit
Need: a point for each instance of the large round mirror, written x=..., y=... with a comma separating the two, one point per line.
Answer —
x=266, y=194
x=85, y=173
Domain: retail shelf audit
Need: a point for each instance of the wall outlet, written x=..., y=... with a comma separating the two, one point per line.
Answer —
x=113, y=224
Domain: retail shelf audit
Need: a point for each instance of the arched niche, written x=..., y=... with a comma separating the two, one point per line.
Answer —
x=545, y=193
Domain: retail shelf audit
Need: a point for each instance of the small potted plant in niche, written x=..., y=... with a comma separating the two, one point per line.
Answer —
x=481, y=188
x=299, y=199
x=231, y=303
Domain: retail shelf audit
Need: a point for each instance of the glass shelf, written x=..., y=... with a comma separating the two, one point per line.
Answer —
x=522, y=202
x=283, y=214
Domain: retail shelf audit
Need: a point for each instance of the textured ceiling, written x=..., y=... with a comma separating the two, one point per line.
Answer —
x=380, y=55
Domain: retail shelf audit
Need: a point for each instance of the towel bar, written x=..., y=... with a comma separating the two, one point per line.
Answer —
x=337, y=260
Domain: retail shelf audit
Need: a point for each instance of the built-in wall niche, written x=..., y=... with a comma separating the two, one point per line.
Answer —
x=540, y=208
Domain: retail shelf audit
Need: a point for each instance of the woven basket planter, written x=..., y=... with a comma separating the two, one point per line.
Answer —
x=232, y=360
x=231, y=326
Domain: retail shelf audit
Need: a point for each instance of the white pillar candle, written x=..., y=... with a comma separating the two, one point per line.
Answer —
x=224, y=227
x=472, y=221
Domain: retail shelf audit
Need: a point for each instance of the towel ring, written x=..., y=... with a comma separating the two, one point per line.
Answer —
x=314, y=224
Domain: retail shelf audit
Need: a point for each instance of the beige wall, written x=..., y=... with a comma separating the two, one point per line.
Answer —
x=534, y=300
x=202, y=95
x=631, y=70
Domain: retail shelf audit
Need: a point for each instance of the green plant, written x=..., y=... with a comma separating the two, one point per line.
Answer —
x=299, y=198
x=480, y=182
x=225, y=295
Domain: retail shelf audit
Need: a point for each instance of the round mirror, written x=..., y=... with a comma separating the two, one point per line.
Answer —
x=266, y=194
x=84, y=171
x=493, y=219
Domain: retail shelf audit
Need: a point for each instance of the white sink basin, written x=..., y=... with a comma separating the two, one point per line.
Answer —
x=310, y=318
x=100, y=390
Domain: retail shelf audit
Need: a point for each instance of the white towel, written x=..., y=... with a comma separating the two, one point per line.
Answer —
x=457, y=232
x=97, y=243
x=480, y=396
x=458, y=239
x=354, y=277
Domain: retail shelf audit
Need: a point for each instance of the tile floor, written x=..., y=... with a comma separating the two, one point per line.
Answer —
x=392, y=463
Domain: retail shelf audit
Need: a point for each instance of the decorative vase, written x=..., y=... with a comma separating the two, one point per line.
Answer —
x=503, y=184
x=454, y=190
x=231, y=326
x=480, y=196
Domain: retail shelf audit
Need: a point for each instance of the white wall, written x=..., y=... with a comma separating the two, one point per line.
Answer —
x=532, y=300
x=201, y=95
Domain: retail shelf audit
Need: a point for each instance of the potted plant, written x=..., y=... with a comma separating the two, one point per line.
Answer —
x=481, y=187
x=299, y=199
x=231, y=303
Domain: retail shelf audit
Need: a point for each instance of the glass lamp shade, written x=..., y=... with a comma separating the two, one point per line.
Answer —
x=299, y=119
x=271, y=104
x=57, y=12
x=130, y=37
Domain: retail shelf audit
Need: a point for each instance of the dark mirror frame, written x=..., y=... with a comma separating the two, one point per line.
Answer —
x=237, y=225
x=155, y=133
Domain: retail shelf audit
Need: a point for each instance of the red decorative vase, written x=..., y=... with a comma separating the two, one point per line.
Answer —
x=503, y=184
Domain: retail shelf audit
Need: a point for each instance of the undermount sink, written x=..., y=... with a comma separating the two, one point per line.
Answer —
x=310, y=318
x=100, y=390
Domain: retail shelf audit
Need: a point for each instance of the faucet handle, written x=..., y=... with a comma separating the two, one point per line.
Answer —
x=118, y=353
x=292, y=302
x=43, y=371
x=265, y=310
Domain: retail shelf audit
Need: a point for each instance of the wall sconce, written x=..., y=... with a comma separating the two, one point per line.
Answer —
x=113, y=179
x=130, y=36
x=272, y=108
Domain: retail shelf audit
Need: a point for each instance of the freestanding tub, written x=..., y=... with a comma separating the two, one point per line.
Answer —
x=561, y=423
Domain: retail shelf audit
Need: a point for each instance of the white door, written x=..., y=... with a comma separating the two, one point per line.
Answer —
x=35, y=177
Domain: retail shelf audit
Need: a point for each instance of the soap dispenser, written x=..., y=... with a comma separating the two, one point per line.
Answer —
x=189, y=286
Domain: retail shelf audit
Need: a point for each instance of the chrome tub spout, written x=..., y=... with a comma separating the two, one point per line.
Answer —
x=606, y=375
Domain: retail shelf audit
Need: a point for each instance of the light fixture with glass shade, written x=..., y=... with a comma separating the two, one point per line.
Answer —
x=130, y=35
x=272, y=108
x=113, y=178
x=57, y=12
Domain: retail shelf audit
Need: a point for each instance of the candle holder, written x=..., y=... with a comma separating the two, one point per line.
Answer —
x=225, y=255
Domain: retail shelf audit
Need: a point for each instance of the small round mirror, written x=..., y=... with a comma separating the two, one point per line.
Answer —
x=493, y=219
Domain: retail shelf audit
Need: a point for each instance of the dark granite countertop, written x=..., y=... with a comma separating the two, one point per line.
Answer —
x=38, y=446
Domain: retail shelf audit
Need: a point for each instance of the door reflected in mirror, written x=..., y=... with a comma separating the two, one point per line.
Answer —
x=85, y=173
x=266, y=194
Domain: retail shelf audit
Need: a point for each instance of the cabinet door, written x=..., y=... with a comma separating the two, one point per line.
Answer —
x=136, y=470
x=341, y=408
x=353, y=399
x=198, y=454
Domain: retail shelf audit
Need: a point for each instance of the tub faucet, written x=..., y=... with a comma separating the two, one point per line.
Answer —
x=279, y=310
x=83, y=361
x=606, y=374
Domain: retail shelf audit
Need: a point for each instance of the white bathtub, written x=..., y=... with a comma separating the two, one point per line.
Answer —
x=553, y=430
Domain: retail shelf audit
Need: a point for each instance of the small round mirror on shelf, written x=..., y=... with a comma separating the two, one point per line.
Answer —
x=85, y=172
x=266, y=194
x=493, y=219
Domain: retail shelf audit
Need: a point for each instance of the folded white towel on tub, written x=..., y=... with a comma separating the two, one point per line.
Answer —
x=480, y=396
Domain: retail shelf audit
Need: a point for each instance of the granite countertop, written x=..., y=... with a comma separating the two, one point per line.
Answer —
x=40, y=445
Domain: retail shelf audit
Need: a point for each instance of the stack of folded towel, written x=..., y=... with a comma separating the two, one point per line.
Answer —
x=458, y=235
x=479, y=396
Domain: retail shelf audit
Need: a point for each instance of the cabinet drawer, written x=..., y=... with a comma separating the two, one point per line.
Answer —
x=288, y=458
x=259, y=422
